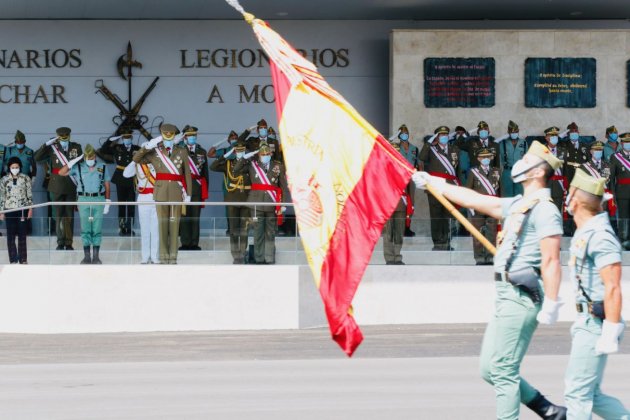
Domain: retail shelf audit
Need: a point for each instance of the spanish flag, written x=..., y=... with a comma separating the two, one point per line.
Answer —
x=344, y=177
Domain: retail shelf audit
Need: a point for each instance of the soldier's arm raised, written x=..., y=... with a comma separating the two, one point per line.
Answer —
x=141, y=156
x=218, y=165
x=42, y=153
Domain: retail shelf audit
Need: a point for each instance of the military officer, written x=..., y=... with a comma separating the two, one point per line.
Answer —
x=599, y=167
x=440, y=159
x=237, y=187
x=92, y=185
x=410, y=152
x=577, y=151
x=58, y=151
x=24, y=153
x=620, y=180
x=511, y=150
x=558, y=182
x=122, y=155
x=269, y=185
x=232, y=138
x=595, y=266
x=484, y=179
x=394, y=229
x=461, y=135
x=528, y=250
x=611, y=144
x=483, y=140
x=274, y=145
x=189, y=226
x=256, y=134
x=173, y=183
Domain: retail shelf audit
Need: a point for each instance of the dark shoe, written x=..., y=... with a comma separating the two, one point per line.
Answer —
x=399, y=263
x=260, y=263
x=195, y=248
x=69, y=248
x=547, y=410
x=409, y=233
x=626, y=245
x=60, y=248
x=95, y=258
x=183, y=248
x=389, y=263
x=23, y=262
x=87, y=259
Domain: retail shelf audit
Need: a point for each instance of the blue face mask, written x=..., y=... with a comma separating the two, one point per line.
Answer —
x=168, y=143
x=613, y=137
x=191, y=140
x=483, y=134
x=265, y=159
x=127, y=142
x=262, y=132
x=574, y=136
x=404, y=137
x=597, y=154
x=90, y=162
x=485, y=161
x=514, y=136
x=443, y=139
x=626, y=147
x=553, y=140
x=20, y=146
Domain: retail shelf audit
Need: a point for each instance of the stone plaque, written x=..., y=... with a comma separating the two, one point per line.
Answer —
x=560, y=82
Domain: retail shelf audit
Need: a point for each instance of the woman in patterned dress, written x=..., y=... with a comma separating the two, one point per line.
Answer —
x=15, y=192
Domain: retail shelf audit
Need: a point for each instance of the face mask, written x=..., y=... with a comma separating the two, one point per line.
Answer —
x=574, y=136
x=191, y=140
x=239, y=155
x=520, y=169
x=597, y=154
x=514, y=136
x=90, y=162
x=127, y=142
x=20, y=146
x=64, y=143
x=265, y=159
x=613, y=137
x=485, y=161
x=553, y=140
x=626, y=147
x=168, y=143
x=483, y=134
x=567, y=202
x=443, y=139
x=15, y=171
x=262, y=132
x=404, y=137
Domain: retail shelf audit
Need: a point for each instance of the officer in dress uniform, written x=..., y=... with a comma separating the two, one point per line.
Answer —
x=92, y=185
x=58, y=151
x=410, y=152
x=461, y=135
x=189, y=226
x=274, y=145
x=620, y=180
x=558, y=182
x=599, y=167
x=482, y=140
x=440, y=159
x=577, y=151
x=269, y=185
x=595, y=267
x=528, y=250
x=256, y=134
x=511, y=150
x=113, y=151
x=395, y=227
x=611, y=144
x=173, y=183
x=485, y=179
x=24, y=153
x=237, y=187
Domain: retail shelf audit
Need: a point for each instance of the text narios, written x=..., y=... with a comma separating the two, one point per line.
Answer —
x=40, y=59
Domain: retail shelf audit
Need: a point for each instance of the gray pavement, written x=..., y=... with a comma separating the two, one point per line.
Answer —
x=399, y=372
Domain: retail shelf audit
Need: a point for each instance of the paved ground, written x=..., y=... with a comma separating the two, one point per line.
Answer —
x=410, y=372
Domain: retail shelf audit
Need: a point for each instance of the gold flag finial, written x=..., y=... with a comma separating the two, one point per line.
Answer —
x=249, y=18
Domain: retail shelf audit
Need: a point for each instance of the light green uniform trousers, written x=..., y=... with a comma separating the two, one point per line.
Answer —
x=91, y=221
x=505, y=343
x=584, y=375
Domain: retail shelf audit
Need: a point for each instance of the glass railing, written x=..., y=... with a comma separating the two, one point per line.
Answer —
x=447, y=244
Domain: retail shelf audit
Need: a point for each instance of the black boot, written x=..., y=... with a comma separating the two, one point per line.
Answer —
x=95, y=259
x=546, y=409
x=87, y=259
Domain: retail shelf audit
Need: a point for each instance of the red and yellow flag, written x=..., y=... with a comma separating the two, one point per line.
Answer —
x=344, y=177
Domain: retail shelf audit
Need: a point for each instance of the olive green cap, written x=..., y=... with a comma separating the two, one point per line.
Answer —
x=63, y=131
x=512, y=127
x=540, y=150
x=239, y=146
x=263, y=148
x=168, y=128
x=611, y=129
x=89, y=151
x=442, y=129
x=19, y=136
x=189, y=130
x=482, y=124
x=484, y=151
x=588, y=183
x=597, y=145
x=625, y=137
x=552, y=130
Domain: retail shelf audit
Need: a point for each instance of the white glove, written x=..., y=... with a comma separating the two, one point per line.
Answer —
x=250, y=154
x=394, y=136
x=473, y=131
x=563, y=134
x=152, y=144
x=106, y=207
x=178, y=138
x=74, y=161
x=503, y=137
x=229, y=153
x=187, y=199
x=283, y=209
x=452, y=135
x=608, y=342
x=252, y=128
x=430, y=140
x=549, y=312
x=421, y=179
x=51, y=141
x=130, y=170
x=115, y=138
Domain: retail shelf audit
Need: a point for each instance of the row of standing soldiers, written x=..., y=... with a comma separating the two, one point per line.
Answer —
x=484, y=163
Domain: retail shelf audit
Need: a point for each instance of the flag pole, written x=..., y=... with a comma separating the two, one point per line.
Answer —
x=460, y=217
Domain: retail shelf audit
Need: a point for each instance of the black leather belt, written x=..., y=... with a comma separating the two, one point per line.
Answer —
x=81, y=194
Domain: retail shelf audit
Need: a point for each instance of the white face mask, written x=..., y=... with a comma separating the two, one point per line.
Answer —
x=567, y=202
x=15, y=171
x=239, y=155
x=520, y=169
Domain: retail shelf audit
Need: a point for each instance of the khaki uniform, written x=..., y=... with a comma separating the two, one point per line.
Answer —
x=440, y=217
x=237, y=188
x=478, y=180
x=620, y=182
x=394, y=230
x=164, y=190
x=189, y=226
x=61, y=188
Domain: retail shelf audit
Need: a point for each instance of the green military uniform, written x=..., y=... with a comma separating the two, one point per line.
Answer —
x=61, y=188
x=593, y=247
x=484, y=179
x=237, y=188
x=275, y=146
x=598, y=167
x=24, y=153
x=394, y=229
x=558, y=183
x=268, y=178
x=461, y=135
x=168, y=187
x=511, y=150
x=577, y=152
x=620, y=180
x=611, y=145
x=410, y=153
x=510, y=330
x=473, y=144
x=189, y=226
x=122, y=155
x=263, y=135
x=440, y=159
